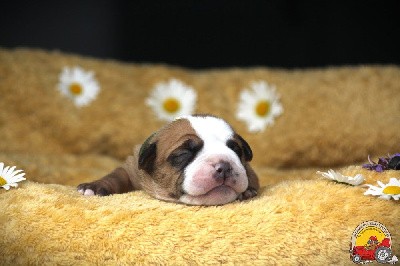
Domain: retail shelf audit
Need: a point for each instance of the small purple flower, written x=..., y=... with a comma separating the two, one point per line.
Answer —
x=379, y=168
x=384, y=163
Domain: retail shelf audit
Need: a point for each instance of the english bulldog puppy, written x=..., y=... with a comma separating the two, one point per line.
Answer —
x=195, y=160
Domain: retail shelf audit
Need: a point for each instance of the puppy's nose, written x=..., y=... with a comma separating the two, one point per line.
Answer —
x=222, y=170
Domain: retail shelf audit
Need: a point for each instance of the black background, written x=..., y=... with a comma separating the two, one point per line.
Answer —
x=205, y=34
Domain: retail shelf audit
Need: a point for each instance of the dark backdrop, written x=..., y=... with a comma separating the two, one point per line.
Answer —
x=210, y=33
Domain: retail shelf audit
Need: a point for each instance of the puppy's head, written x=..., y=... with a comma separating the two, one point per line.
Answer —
x=197, y=160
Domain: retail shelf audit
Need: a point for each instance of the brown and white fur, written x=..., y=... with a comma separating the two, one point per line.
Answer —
x=196, y=160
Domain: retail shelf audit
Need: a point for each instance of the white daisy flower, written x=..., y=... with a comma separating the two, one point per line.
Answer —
x=172, y=99
x=388, y=191
x=9, y=177
x=259, y=106
x=78, y=85
x=338, y=177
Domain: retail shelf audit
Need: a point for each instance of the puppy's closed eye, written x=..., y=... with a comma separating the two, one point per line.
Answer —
x=185, y=154
x=181, y=158
x=233, y=145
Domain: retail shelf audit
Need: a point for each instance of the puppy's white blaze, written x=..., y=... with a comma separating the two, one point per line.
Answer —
x=210, y=128
x=199, y=179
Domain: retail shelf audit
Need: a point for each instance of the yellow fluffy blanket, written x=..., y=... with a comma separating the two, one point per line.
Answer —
x=299, y=218
x=294, y=222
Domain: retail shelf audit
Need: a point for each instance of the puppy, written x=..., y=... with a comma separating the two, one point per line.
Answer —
x=195, y=160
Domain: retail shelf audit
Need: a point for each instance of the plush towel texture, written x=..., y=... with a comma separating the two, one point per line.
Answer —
x=332, y=117
x=294, y=222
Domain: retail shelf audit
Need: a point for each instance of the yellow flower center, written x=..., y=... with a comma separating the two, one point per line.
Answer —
x=171, y=105
x=2, y=181
x=392, y=190
x=263, y=108
x=75, y=88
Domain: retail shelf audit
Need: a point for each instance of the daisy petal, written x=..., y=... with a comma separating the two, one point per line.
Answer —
x=5, y=170
x=380, y=184
x=10, y=170
x=386, y=197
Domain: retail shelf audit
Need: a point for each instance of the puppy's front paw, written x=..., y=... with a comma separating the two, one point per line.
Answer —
x=249, y=193
x=94, y=188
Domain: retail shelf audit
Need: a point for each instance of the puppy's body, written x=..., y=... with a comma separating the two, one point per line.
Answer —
x=196, y=160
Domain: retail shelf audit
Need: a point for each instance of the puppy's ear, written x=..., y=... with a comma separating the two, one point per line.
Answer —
x=248, y=153
x=147, y=155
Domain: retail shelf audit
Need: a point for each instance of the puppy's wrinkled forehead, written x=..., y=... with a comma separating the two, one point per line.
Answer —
x=210, y=128
x=204, y=126
x=203, y=130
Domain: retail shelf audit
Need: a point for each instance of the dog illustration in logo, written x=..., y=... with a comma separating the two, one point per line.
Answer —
x=372, y=243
